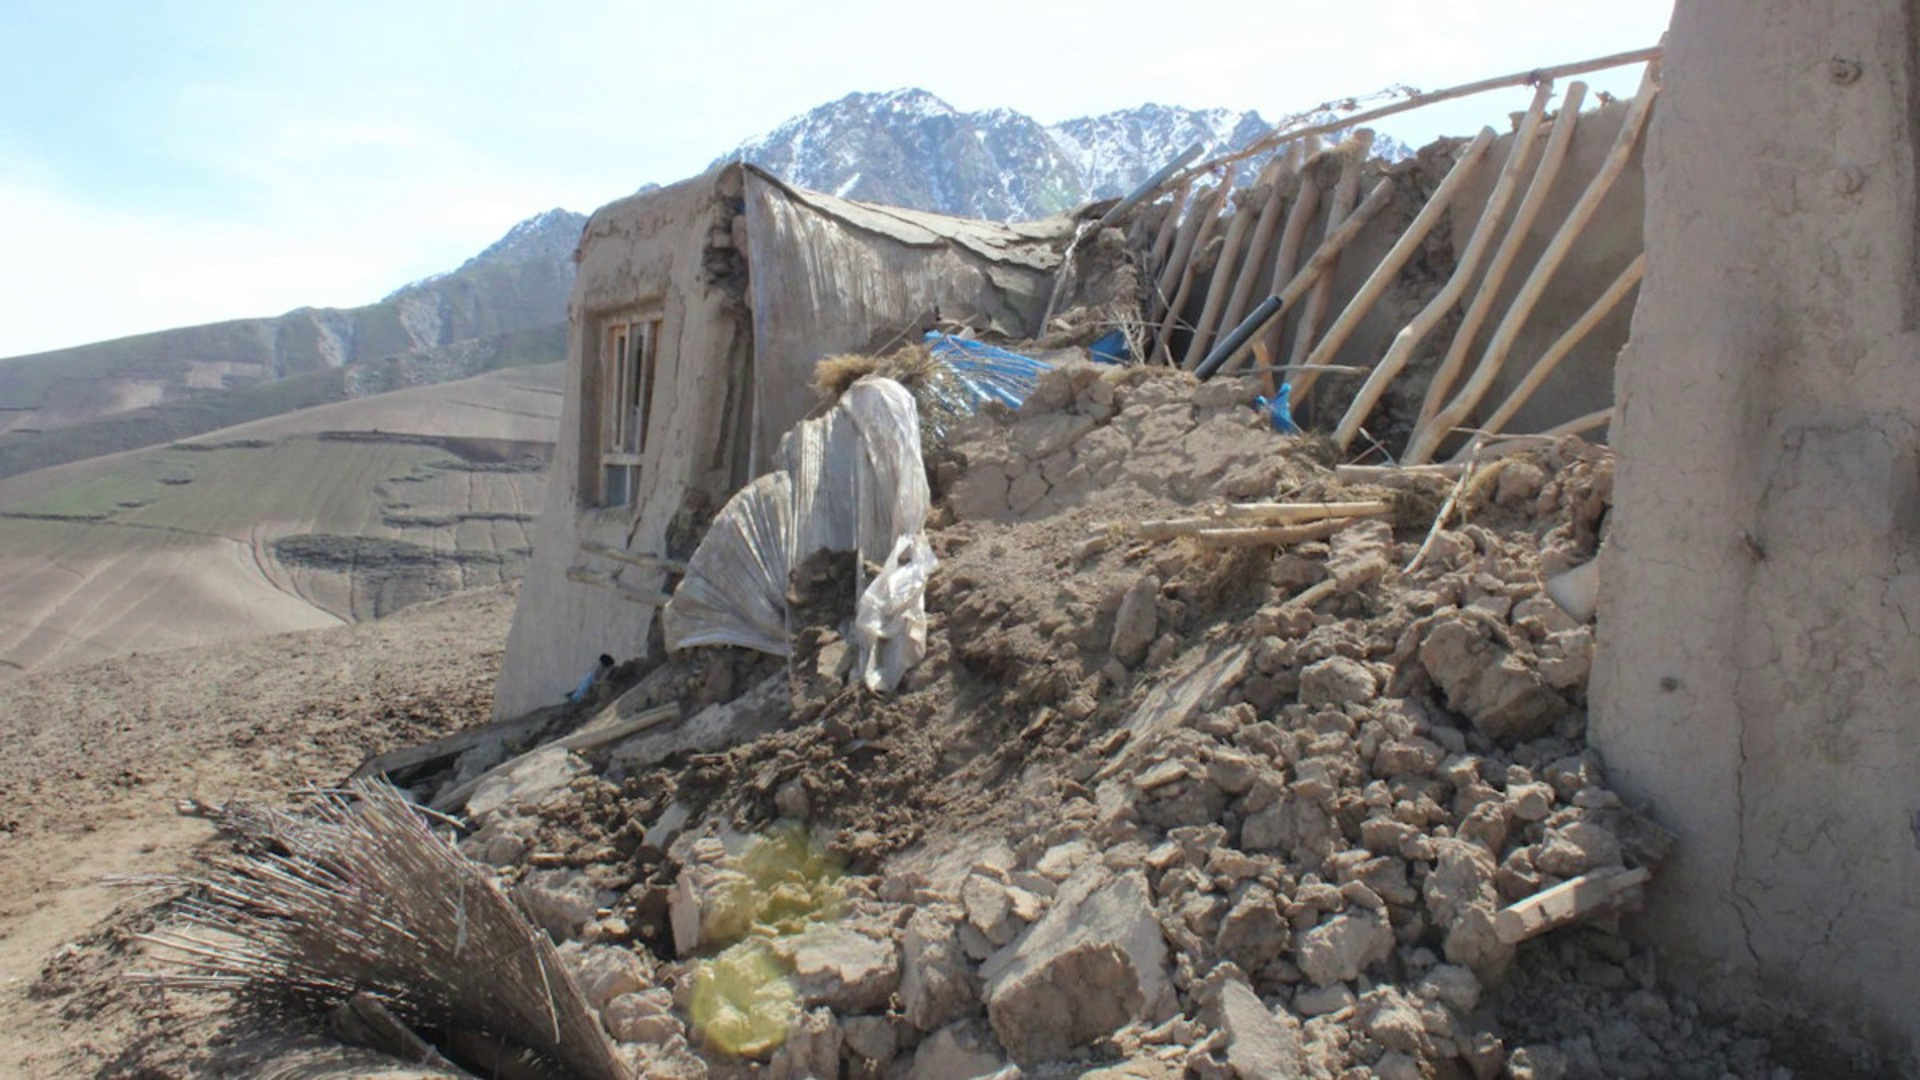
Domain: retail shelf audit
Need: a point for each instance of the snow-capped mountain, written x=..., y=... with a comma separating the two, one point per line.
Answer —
x=909, y=148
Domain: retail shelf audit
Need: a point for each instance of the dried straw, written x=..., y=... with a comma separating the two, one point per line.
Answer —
x=359, y=896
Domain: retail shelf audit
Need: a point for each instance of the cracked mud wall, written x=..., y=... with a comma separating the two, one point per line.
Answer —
x=658, y=252
x=1758, y=672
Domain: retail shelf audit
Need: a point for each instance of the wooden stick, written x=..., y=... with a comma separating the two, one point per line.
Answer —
x=1323, y=257
x=1275, y=513
x=1423, y=443
x=1279, y=514
x=1293, y=240
x=1284, y=534
x=1163, y=241
x=1596, y=419
x=1294, y=513
x=1201, y=209
x=452, y=746
x=1489, y=288
x=1519, y=78
x=1219, y=287
x=1566, y=903
x=1393, y=475
x=1345, y=191
x=1255, y=266
x=1208, y=219
x=1417, y=329
x=1063, y=278
x=1565, y=344
x=1446, y=511
x=1388, y=271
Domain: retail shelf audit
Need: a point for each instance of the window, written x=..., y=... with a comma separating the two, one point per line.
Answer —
x=630, y=355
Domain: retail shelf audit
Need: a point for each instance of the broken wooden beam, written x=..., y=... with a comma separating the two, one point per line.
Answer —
x=1566, y=903
x=1500, y=82
x=1346, y=191
x=1574, y=335
x=1293, y=239
x=1395, y=476
x=1269, y=513
x=1183, y=288
x=1488, y=289
x=578, y=742
x=452, y=746
x=1275, y=536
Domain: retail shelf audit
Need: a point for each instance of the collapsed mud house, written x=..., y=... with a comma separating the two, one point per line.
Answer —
x=700, y=311
x=1225, y=759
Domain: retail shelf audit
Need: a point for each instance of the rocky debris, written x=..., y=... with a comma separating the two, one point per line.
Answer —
x=843, y=969
x=1259, y=1045
x=1339, y=949
x=1095, y=962
x=527, y=785
x=1505, y=698
x=561, y=902
x=1146, y=809
x=937, y=984
x=1136, y=623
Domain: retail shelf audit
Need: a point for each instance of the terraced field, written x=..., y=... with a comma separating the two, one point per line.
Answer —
x=338, y=513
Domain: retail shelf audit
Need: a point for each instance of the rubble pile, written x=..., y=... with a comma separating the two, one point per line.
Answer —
x=1149, y=807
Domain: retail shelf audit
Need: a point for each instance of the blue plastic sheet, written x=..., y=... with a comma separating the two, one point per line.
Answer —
x=1280, y=410
x=1111, y=348
x=984, y=373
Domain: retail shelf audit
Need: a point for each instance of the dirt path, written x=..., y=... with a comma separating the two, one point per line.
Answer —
x=97, y=757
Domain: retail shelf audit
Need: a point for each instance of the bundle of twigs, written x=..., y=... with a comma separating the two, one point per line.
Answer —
x=359, y=896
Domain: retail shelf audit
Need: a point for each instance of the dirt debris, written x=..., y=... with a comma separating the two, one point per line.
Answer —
x=1146, y=809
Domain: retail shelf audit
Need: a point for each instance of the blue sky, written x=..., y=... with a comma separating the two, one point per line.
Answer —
x=166, y=162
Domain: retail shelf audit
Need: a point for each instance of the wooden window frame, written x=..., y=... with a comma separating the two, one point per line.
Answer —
x=629, y=375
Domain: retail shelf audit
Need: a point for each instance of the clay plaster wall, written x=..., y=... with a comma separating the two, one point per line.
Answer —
x=651, y=249
x=755, y=282
x=1758, y=670
x=834, y=276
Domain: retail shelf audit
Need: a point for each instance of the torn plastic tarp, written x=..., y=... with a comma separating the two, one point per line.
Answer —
x=851, y=480
x=986, y=372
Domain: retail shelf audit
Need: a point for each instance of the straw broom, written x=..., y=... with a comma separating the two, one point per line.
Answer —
x=359, y=896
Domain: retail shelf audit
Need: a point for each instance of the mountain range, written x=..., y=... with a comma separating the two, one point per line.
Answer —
x=507, y=305
x=910, y=148
x=222, y=481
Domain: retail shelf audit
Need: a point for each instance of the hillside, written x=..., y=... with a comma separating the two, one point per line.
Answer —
x=341, y=512
x=521, y=283
x=910, y=148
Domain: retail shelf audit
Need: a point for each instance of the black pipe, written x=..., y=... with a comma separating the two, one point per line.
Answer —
x=1229, y=345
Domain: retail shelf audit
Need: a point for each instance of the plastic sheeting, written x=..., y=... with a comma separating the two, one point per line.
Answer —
x=852, y=480
x=984, y=373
